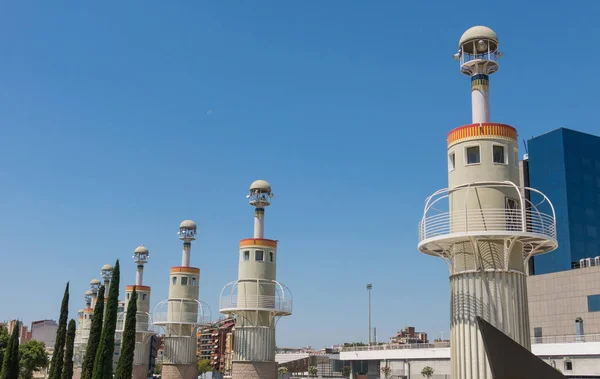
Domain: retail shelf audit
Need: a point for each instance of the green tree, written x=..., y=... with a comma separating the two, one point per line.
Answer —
x=282, y=371
x=203, y=366
x=32, y=357
x=67, y=372
x=94, y=338
x=10, y=366
x=125, y=365
x=58, y=356
x=158, y=368
x=427, y=372
x=313, y=371
x=106, y=348
x=4, y=338
x=346, y=371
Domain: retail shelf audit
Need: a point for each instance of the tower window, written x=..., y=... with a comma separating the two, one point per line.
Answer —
x=259, y=255
x=516, y=158
x=184, y=281
x=499, y=153
x=568, y=365
x=144, y=296
x=174, y=280
x=271, y=256
x=246, y=255
x=451, y=161
x=472, y=155
x=194, y=282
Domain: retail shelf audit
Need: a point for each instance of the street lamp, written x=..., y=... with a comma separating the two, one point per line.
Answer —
x=369, y=288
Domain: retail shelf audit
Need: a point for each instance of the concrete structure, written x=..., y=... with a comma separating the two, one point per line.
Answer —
x=256, y=300
x=106, y=272
x=179, y=315
x=565, y=306
x=565, y=165
x=141, y=358
x=575, y=359
x=482, y=225
x=94, y=286
x=44, y=331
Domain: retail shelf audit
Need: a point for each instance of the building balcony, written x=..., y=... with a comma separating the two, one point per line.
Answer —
x=256, y=295
x=458, y=214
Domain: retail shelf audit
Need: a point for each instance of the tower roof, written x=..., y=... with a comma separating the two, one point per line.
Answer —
x=89, y=292
x=261, y=186
x=478, y=32
x=94, y=281
x=144, y=250
x=107, y=267
x=188, y=224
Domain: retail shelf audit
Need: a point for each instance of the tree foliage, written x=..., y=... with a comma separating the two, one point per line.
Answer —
x=125, y=365
x=94, y=338
x=10, y=365
x=59, y=346
x=282, y=371
x=427, y=372
x=4, y=339
x=203, y=366
x=106, y=348
x=67, y=372
x=346, y=371
x=32, y=357
x=313, y=371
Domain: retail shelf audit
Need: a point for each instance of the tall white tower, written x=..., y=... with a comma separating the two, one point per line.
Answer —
x=106, y=273
x=141, y=358
x=256, y=299
x=483, y=225
x=94, y=286
x=179, y=315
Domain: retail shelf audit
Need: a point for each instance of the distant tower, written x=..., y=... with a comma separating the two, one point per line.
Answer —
x=256, y=299
x=94, y=286
x=483, y=225
x=143, y=333
x=106, y=272
x=179, y=314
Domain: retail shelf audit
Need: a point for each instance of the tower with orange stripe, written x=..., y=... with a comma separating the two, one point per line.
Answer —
x=143, y=333
x=179, y=314
x=256, y=300
x=485, y=225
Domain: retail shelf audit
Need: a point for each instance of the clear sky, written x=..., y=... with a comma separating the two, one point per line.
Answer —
x=118, y=120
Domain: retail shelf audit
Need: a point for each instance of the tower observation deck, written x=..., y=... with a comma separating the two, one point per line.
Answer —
x=485, y=225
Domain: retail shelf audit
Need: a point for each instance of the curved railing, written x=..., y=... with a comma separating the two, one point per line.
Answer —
x=181, y=312
x=534, y=218
x=256, y=294
x=487, y=220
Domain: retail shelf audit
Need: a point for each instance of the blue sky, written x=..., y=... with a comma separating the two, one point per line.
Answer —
x=118, y=120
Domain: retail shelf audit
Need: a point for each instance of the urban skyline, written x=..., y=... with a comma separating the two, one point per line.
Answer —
x=98, y=180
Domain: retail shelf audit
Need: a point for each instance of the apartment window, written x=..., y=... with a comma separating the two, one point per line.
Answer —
x=579, y=327
x=259, y=255
x=174, y=280
x=451, y=161
x=537, y=332
x=271, y=256
x=246, y=255
x=194, y=282
x=184, y=281
x=499, y=154
x=472, y=155
x=593, y=303
x=144, y=296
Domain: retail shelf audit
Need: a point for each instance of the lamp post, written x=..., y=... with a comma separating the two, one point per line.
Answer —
x=369, y=288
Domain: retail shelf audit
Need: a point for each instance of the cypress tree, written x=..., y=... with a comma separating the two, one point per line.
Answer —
x=10, y=366
x=125, y=365
x=94, y=339
x=106, y=349
x=56, y=365
x=67, y=372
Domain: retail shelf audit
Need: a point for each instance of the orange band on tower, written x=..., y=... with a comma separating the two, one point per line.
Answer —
x=483, y=130
x=137, y=288
x=258, y=242
x=191, y=270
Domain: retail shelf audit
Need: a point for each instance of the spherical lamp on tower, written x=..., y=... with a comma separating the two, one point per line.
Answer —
x=485, y=225
x=256, y=300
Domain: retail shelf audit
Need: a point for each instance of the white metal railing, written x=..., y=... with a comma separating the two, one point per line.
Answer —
x=267, y=302
x=483, y=220
x=534, y=341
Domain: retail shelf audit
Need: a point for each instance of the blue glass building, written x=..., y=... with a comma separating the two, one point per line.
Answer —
x=565, y=165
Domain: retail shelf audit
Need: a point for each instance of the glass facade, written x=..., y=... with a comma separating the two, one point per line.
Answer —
x=565, y=165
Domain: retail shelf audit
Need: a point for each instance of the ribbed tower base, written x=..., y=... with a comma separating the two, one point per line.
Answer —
x=253, y=370
x=76, y=372
x=187, y=371
x=140, y=372
x=499, y=297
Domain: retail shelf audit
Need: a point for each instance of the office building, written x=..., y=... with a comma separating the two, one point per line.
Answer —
x=44, y=331
x=565, y=165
